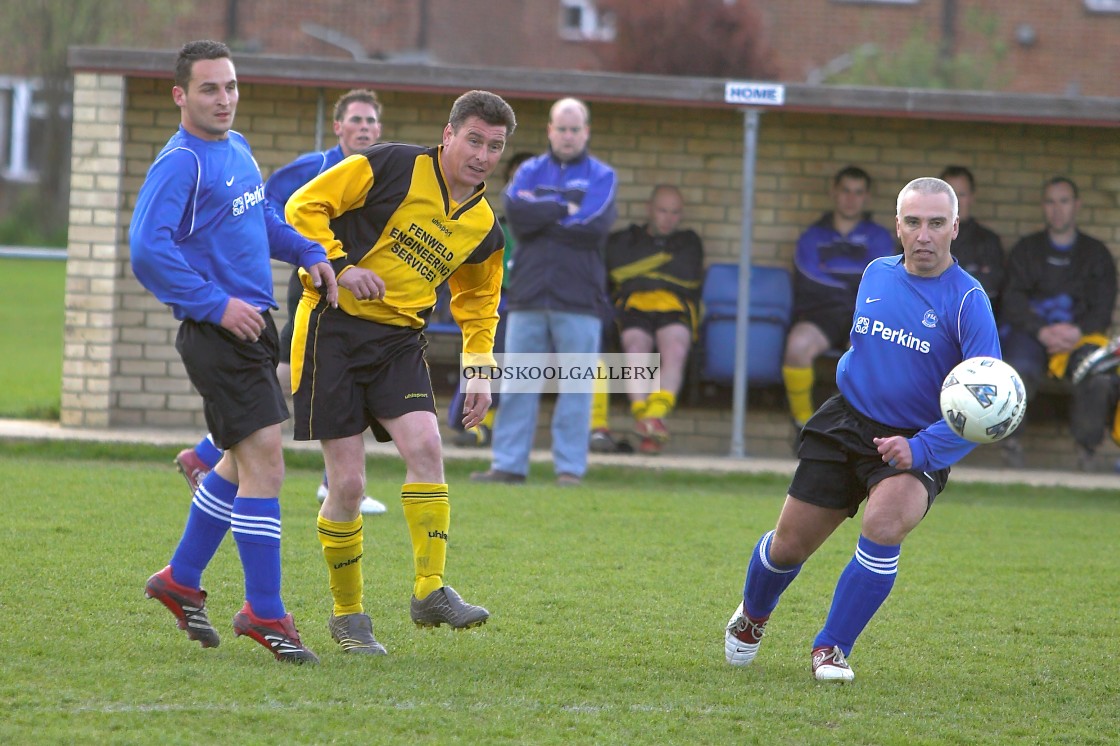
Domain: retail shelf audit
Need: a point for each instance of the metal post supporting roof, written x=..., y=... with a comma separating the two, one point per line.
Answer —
x=742, y=322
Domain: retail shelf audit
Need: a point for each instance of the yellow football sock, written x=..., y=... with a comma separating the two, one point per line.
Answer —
x=600, y=401
x=342, y=549
x=660, y=404
x=799, y=392
x=638, y=409
x=428, y=514
x=488, y=419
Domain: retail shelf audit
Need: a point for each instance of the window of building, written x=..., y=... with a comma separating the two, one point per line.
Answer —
x=581, y=20
x=21, y=118
x=1103, y=6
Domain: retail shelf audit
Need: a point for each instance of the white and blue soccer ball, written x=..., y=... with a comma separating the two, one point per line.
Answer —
x=983, y=399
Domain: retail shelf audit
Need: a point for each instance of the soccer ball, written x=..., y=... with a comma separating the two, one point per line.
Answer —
x=983, y=399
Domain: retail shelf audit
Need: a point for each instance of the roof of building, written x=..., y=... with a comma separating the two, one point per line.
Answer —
x=656, y=90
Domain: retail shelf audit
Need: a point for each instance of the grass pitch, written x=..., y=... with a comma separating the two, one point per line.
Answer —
x=608, y=607
x=32, y=313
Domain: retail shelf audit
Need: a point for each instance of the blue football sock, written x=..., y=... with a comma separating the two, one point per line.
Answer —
x=765, y=580
x=256, y=529
x=207, y=524
x=208, y=452
x=861, y=590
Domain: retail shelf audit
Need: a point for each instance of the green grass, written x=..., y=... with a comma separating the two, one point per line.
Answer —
x=32, y=314
x=608, y=609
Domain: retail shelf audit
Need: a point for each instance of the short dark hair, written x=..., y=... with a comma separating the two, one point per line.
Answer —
x=362, y=95
x=192, y=52
x=852, y=172
x=489, y=107
x=1061, y=180
x=515, y=162
x=957, y=172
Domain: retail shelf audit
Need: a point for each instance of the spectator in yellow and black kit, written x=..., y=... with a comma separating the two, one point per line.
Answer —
x=655, y=274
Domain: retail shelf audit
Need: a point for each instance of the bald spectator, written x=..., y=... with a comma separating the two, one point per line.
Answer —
x=560, y=206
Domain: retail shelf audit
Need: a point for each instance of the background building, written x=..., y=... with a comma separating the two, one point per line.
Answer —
x=1066, y=47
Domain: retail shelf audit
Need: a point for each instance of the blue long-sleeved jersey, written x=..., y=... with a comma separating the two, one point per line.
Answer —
x=829, y=265
x=908, y=333
x=287, y=179
x=203, y=232
x=559, y=263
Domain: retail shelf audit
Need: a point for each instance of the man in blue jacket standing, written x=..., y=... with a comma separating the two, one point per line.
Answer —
x=560, y=206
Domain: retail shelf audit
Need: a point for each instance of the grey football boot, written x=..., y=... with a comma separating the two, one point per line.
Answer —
x=446, y=606
x=354, y=632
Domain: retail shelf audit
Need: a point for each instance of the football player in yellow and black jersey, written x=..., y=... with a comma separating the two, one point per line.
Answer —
x=397, y=220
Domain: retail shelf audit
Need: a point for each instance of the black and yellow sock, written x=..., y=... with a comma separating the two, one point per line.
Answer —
x=638, y=409
x=660, y=404
x=799, y=392
x=427, y=512
x=342, y=549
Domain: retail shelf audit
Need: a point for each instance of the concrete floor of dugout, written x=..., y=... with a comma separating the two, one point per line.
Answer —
x=179, y=438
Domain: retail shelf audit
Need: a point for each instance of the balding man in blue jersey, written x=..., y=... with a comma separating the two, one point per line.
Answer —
x=882, y=438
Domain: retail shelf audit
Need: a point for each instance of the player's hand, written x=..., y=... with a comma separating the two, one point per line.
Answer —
x=322, y=275
x=476, y=401
x=364, y=284
x=895, y=452
x=243, y=320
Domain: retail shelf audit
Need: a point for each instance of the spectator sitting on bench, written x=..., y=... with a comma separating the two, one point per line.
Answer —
x=1057, y=307
x=655, y=273
x=976, y=248
x=828, y=264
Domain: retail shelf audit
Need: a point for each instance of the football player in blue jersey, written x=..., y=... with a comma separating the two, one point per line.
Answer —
x=202, y=238
x=357, y=124
x=881, y=439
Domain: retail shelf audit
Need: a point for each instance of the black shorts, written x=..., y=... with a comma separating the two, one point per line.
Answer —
x=651, y=321
x=295, y=292
x=356, y=372
x=237, y=380
x=839, y=463
x=836, y=326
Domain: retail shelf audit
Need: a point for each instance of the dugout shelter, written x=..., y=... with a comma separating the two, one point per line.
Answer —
x=753, y=177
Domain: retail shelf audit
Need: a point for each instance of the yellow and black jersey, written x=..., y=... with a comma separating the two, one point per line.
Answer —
x=655, y=273
x=388, y=210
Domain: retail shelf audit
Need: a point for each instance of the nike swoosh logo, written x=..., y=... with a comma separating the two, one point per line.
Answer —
x=230, y=182
x=872, y=300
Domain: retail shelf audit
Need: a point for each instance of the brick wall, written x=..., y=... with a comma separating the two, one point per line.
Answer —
x=1074, y=51
x=93, y=268
x=120, y=364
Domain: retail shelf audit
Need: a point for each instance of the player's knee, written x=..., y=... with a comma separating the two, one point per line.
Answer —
x=423, y=454
x=349, y=488
x=788, y=551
